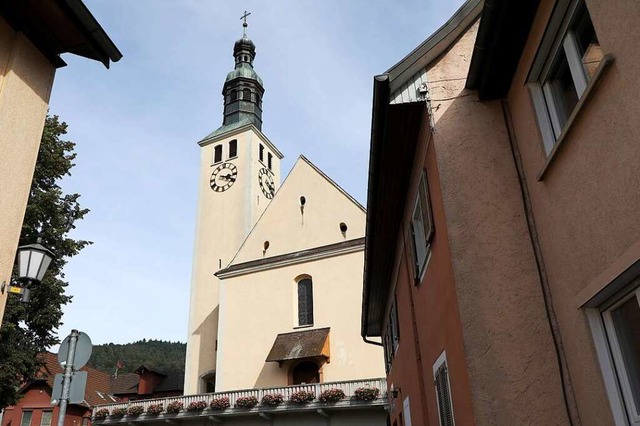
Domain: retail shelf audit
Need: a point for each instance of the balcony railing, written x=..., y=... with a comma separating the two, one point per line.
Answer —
x=348, y=387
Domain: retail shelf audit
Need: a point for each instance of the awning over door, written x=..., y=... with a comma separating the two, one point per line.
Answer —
x=300, y=345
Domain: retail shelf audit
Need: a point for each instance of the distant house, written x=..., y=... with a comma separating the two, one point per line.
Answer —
x=34, y=408
x=147, y=382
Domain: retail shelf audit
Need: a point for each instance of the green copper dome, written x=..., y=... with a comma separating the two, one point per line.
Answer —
x=244, y=70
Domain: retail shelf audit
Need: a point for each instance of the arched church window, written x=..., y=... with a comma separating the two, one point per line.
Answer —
x=269, y=160
x=305, y=302
x=246, y=94
x=217, y=154
x=233, y=148
x=306, y=372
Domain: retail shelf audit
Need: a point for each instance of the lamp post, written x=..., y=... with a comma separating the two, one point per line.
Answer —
x=33, y=262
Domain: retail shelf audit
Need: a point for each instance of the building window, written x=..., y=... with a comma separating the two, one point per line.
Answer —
x=305, y=302
x=391, y=337
x=234, y=95
x=567, y=59
x=85, y=421
x=246, y=94
x=26, y=418
x=421, y=227
x=269, y=160
x=261, y=152
x=217, y=154
x=45, y=420
x=621, y=320
x=233, y=148
x=209, y=383
x=443, y=391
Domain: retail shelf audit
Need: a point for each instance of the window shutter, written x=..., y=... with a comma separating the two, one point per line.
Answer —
x=443, y=393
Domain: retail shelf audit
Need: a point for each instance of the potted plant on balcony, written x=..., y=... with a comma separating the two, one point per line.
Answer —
x=119, y=412
x=366, y=393
x=174, y=407
x=272, y=400
x=155, y=409
x=219, y=404
x=302, y=397
x=246, y=402
x=101, y=414
x=196, y=406
x=135, y=410
x=331, y=395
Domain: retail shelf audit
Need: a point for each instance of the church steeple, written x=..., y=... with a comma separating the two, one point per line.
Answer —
x=243, y=88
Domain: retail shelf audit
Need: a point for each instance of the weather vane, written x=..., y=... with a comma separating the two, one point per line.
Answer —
x=244, y=24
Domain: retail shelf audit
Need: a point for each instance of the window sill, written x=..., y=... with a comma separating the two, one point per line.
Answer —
x=604, y=64
x=303, y=326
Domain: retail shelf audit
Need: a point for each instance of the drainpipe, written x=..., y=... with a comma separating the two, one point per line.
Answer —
x=565, y=376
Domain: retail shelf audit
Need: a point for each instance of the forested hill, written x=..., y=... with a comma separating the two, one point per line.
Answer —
x=165, y=356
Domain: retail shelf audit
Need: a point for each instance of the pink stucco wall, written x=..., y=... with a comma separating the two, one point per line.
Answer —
x=585, y=206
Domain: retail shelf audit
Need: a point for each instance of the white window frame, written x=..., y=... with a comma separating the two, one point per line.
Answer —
x=442, y=360
x=30, y=412
x=50, y=418
x=558, y=40
x=611, y=361
x=422, y=228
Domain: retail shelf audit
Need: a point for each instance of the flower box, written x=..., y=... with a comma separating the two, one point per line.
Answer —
x=219, y=403
x=331, y=395
x=246, y=402
x=118, y=412
x=174, y=407
x=155, y=409
x=101, y=414
x=271, y=400
x=302, y=397
x=135, y=410
x=196, y=406
x=366, y=393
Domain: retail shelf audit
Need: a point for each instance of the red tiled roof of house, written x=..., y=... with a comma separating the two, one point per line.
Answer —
x=98, y=382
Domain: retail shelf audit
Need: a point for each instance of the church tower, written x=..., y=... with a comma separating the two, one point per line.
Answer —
x=239, y=175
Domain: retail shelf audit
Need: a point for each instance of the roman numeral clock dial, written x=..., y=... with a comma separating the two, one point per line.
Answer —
x=265, y=180
x=223, y=177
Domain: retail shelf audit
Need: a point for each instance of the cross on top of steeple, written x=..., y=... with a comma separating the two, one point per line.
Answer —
x=244, y=24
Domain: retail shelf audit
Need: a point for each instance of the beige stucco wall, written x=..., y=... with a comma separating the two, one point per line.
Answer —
x=257, y=306
x=289, y=229
x=223, y=221
x=26, y=77
x=586, y=205
x=511, y=362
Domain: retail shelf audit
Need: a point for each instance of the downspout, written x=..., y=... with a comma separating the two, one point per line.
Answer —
x=565, y=376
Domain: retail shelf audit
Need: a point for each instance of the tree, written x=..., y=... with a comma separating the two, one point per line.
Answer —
x=29, y=328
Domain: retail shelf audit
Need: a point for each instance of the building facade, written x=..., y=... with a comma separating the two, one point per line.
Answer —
x=512, y=291
x=32, y=37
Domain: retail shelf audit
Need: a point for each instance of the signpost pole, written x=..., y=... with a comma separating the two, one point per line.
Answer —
x=68, y=373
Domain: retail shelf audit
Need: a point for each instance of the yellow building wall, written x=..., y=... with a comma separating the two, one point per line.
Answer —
x=26, y=77
x=223, y=221
x=256, y=307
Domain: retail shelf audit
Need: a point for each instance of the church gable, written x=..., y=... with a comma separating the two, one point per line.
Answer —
x=309, y=210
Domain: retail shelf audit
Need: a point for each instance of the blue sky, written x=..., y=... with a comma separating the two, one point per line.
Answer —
x=137, y=124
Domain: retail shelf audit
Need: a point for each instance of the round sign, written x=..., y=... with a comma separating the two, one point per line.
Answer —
x=82, y=352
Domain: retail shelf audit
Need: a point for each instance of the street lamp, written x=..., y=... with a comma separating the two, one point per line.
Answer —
x=33, y=262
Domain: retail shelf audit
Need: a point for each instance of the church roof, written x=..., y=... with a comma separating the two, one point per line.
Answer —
x=244, y=71
x=226, y=128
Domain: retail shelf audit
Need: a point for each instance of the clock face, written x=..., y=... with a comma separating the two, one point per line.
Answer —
x=265, y=180
x=223, y=177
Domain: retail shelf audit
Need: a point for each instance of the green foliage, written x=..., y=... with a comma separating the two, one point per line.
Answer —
x=160, y=354
x=28, y=329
